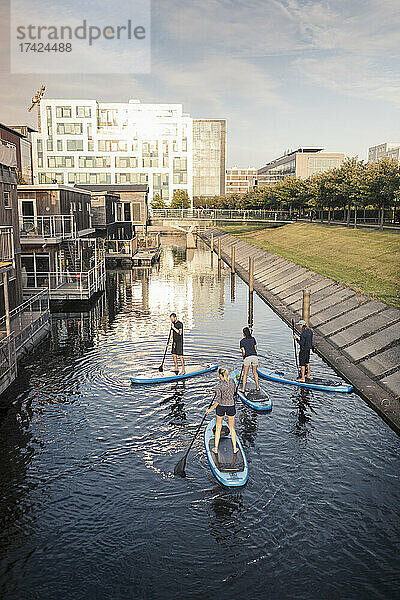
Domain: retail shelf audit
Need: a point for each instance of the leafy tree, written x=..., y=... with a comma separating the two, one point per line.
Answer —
x=180, y=199
x=158, y=202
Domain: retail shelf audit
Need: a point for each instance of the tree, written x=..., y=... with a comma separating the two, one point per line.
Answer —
x=158, y=202
x=180, y=199
x=383, y=185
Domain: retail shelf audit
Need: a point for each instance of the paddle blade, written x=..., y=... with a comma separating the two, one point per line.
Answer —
x=161, y=368
x=180, y=467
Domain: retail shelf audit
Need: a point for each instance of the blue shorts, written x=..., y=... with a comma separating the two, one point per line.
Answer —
x=229, y=411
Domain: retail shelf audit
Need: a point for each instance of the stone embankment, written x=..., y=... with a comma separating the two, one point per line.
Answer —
x=358, y=336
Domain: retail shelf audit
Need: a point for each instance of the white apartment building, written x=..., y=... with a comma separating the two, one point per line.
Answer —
x=388, y=150
x=91, y=142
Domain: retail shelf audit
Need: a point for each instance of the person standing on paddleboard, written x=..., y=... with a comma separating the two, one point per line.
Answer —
x=177, y=343
x=224, y=405
x=305, y=342
x=248, y=346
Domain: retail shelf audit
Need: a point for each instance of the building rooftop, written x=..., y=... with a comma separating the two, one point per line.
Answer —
x=302, y=150
x=114, y=187
x=47, y=187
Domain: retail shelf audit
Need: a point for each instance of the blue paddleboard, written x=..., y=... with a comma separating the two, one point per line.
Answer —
x=157, y=377
x=313, y=383
x=256, y=399
x=228, y=468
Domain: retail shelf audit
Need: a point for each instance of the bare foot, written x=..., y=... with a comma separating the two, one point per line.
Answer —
x=215, y=450
x=182, y=373
x=301, y=380
x=235, y=450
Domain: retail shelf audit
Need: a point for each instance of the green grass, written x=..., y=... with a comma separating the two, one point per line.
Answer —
x=246, y=228
x=366, y=260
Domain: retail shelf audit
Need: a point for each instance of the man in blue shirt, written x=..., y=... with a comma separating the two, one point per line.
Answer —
x=305, y=342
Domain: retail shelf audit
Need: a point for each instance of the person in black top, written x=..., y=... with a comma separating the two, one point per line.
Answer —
x=305, y=342
x=248, y=346
x=177, y=343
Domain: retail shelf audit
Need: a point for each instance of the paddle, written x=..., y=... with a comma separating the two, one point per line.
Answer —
x=294, y=344
x=180, y=466
x=240, y=377
x=161, y=367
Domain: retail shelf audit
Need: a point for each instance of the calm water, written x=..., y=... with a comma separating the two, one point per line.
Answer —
x=91, y=510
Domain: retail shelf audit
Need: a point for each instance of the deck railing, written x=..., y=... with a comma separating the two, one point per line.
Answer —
x=48, y=226
x=127, y=247
x=83, y=283
x=6, y=244
x=8, y=359
x=27, y=318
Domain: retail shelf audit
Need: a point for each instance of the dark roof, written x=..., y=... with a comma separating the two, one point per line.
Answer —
x=137, y=187
x=11, y=130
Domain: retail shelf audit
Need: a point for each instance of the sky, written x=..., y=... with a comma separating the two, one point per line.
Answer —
x=283, y=73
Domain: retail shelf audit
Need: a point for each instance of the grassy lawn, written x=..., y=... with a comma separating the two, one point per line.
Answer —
x=365, y=260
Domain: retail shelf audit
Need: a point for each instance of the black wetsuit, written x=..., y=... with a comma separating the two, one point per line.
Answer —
x=177, y=339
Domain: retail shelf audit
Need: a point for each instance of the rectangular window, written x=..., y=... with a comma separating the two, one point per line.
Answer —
x=59, y=145
x=96, y=178
x=63, y=111
x=131, y=178
x=6, y=196
x=83, y=111
x=94, y=162
x=126, y=162
x=75, y=145
x=50, y=145
x=90, y=146
x=69, y=128
x=112, y=146
x=150, y=162
x=60, y=162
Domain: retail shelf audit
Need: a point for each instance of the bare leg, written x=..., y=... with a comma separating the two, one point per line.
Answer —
x=255, y=375
x=308, y=371
x=183, y=365
x=245, y=372
x=302, y=377
x=218, y=428
x=231, y=423
x=174, y=356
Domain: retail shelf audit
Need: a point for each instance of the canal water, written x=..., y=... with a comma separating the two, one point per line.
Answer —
x=90, y=508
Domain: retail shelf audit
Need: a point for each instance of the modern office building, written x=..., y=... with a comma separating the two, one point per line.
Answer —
x=388, y=150
x=209, y=157
x=301, y=163
x=240, y=181
x=90, y=142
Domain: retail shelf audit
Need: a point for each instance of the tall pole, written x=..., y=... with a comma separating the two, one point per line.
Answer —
x=233, y=260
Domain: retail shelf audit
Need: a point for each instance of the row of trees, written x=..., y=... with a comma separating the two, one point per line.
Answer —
x=354, y=185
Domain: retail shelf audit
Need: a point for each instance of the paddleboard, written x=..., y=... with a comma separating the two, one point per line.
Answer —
x=165, y=376
x=256, y=399
x=228, y=468
x=314, y=383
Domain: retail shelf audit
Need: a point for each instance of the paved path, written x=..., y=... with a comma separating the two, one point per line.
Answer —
x=357, y=335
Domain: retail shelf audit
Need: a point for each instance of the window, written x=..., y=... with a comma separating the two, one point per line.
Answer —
x=83, y=111
x=35, y=270
x=50, y=145
x=51, y=177
x=126, y=162
x=131, y=178
x=59, y=145
x=6, y=196
x=60, y=161
x=75, y=145
x=112, y=146
x=90, y=146
x=63, y=111
x=69, y=128
x=97, y=178
x=150, y=162
x=94, y=162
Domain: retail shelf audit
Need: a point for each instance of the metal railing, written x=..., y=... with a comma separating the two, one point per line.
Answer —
x=127, y=247
x=148, y=241
x=8, y=358
x=48, y=226
x=6, y=244
x=82, y=283
x=27, y=318
x=220, y=214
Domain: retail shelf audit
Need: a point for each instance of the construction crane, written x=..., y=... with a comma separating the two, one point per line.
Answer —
x=36, y=102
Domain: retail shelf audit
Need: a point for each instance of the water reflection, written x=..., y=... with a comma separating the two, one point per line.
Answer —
x=176, y=405
x=302, y=425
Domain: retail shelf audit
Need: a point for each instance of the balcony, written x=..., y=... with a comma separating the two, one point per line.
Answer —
x=6, y=248
x=120, y=248
x=8, y=154
x=68, y=285
x=46, y=228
